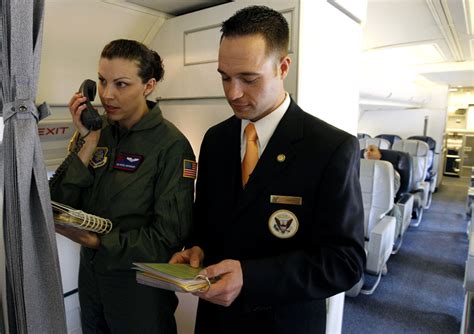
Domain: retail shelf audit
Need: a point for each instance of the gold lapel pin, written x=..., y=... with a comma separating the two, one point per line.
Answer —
x=281, y=157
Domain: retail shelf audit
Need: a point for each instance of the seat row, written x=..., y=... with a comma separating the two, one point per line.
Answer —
x=392, y=141
x=383, y=233
x=422, y=150
x=468, y=316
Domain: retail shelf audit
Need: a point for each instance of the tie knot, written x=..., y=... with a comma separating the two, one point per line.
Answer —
x=250, y=132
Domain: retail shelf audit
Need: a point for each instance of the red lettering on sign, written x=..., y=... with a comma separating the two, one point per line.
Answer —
x=52, y=131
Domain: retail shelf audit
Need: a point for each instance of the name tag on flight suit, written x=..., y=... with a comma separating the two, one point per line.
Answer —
x=128, y=162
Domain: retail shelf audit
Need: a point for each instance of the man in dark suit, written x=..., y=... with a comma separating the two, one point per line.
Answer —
x=282, y=239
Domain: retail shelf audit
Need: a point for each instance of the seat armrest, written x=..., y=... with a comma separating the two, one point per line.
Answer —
x=380, y=244
x=426, y=190
x=433, y=181
x=469, y=271
x=405, y=204
x=423, y=188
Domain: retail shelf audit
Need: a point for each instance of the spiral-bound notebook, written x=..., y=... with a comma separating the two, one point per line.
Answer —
x=65, y=215
x=174, y=277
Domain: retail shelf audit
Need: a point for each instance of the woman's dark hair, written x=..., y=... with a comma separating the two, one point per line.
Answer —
x=261, y=20
x=149, y=61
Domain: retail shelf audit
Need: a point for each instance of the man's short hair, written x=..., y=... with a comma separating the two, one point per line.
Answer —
x=261, y=20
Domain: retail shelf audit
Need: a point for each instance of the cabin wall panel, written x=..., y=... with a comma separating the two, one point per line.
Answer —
x=189, y=45
x=194, y=117
x=69, y=266
x=328, y=70
x=410, y=122
x=405, y=123
x=55, y=132
x=200, y=45
x=74, y=35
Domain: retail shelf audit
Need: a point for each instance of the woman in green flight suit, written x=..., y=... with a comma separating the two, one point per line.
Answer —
x=138, y=171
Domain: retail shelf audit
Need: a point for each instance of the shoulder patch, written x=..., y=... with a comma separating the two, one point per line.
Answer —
x=189, y=169
x=99, y=158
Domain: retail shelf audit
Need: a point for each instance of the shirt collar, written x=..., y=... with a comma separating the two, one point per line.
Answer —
x=265, y=126
x=151, y=119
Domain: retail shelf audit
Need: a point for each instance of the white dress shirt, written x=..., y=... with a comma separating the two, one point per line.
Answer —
x=265, y=127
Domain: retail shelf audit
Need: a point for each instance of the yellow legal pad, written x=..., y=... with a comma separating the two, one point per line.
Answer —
x=174, y=277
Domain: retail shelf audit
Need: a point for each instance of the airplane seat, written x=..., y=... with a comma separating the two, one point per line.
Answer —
x=432, y=174
x=467, y=316
x=390, y=137
x=361, y=135
x=379, y=142
x=402, y=163
x=334, y=313
x=418, y=150
x=376, y=180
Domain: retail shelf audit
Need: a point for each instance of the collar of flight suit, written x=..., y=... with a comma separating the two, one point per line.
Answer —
x=151, y=119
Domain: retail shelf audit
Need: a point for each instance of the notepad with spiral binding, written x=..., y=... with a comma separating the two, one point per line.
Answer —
x=67, y=216
x=174, y=277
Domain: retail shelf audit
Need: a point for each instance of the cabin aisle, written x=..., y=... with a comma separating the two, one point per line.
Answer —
x=423, y=290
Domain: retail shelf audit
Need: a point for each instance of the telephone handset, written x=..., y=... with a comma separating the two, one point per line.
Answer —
x=90, y=117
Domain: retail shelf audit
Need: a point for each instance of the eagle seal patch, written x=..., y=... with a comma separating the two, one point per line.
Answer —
x=283, y=224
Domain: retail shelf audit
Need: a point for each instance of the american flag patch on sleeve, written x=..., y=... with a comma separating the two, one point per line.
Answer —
x=189, y=169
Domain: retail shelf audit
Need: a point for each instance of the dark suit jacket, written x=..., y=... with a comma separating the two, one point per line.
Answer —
x=286, y=281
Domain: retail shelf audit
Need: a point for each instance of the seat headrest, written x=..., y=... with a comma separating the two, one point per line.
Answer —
x=391, y=138
x=416, y=148
x=361, y=135
x=403, y=164
x=430, y=141
x=376, y=181
x=379, y=142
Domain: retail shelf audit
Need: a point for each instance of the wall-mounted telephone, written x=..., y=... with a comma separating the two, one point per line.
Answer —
x=90, y=117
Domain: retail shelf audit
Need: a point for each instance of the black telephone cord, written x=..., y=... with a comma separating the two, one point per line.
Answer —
x=67, y=161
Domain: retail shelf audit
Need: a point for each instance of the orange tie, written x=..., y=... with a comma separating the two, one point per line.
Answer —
x=251, y=153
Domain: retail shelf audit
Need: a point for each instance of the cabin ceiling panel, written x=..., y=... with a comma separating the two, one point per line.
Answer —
x=459, y=15
x=178, y=7
x=429, y=53
x=393, y=25
x=463, y=78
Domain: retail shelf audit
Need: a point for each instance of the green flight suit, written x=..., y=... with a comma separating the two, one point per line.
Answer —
x=137, y=179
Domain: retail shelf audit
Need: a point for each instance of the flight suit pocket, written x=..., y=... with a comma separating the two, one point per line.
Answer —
x=176, y=217
x=184, y=204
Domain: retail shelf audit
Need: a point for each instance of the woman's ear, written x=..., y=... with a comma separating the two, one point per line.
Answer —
x=149, y=87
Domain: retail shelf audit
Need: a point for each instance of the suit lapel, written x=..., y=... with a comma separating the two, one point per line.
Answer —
x=232, y=160
x=278, y=155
